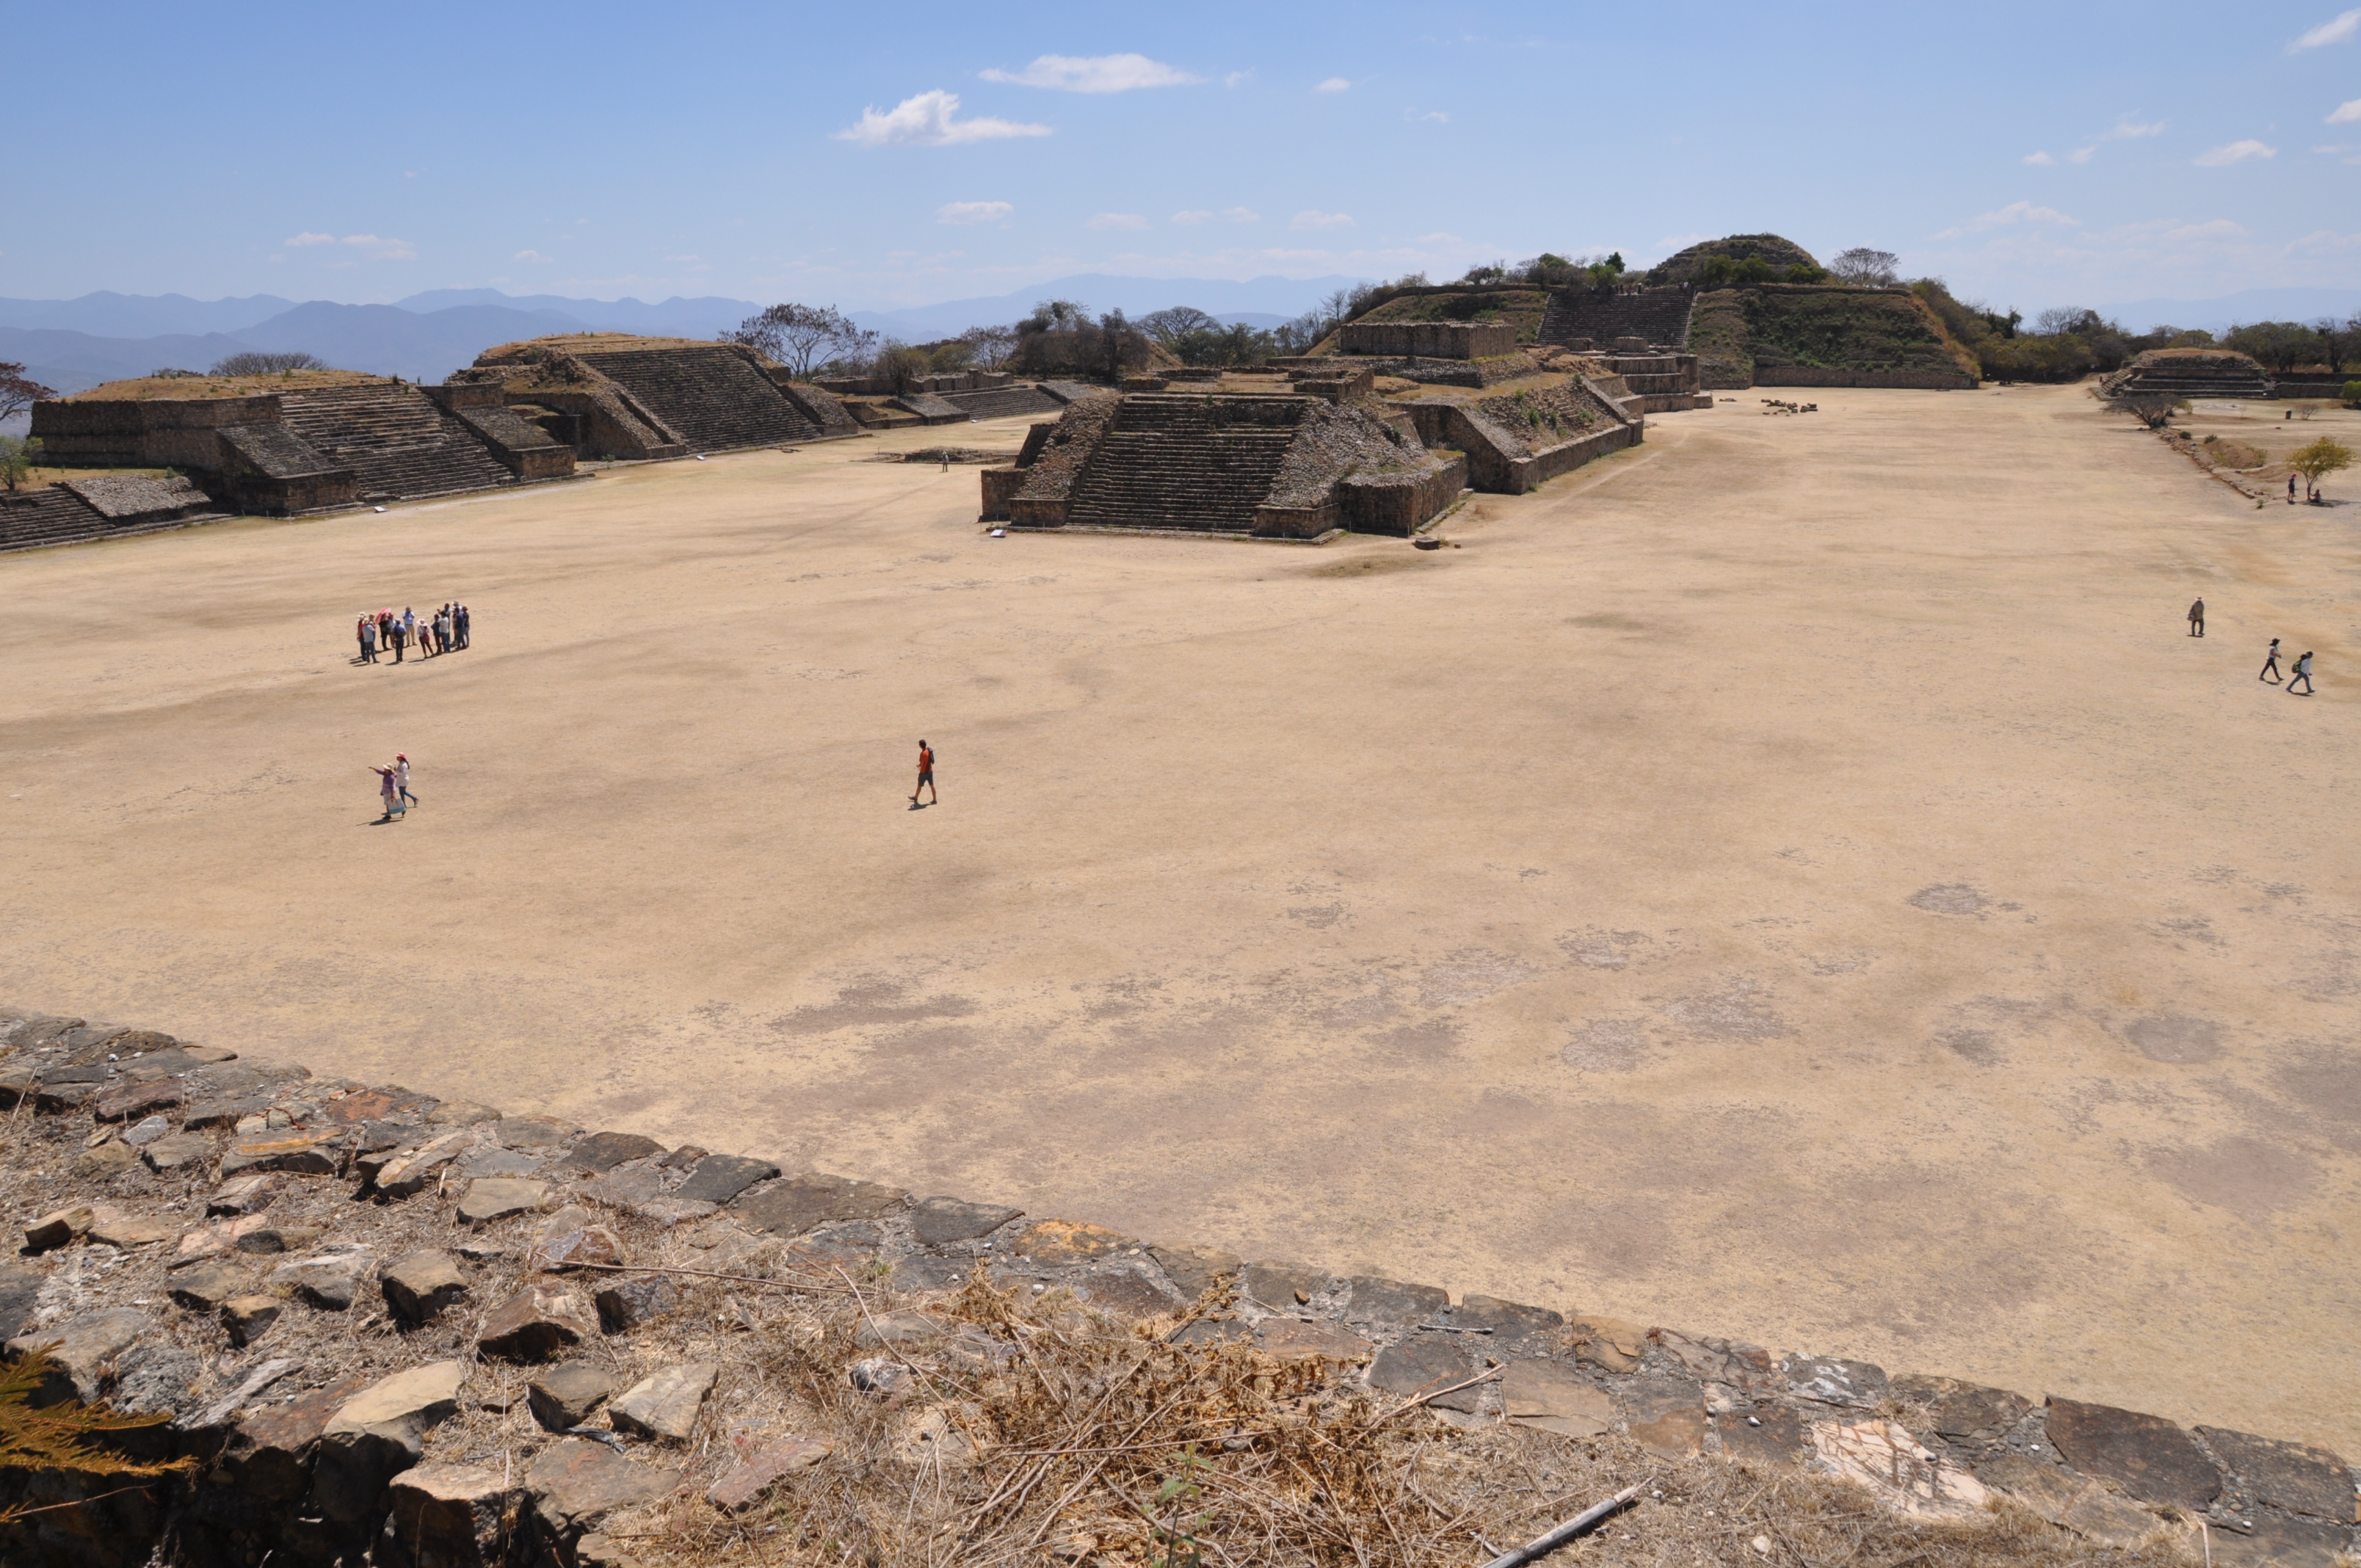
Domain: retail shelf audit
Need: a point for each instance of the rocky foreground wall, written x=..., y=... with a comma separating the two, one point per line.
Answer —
x=404, y=1331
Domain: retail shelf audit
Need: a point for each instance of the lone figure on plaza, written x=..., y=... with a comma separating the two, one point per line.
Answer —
x=925, y=776
x=2197, y=618
x=2271, y=664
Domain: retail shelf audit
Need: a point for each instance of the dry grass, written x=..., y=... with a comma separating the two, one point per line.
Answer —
x=1042, y=1432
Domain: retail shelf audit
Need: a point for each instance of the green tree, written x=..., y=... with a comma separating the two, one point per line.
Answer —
x=18, y=457
x=2316, y=461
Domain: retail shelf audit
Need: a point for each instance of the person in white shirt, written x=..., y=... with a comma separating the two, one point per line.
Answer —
x=2303, y=672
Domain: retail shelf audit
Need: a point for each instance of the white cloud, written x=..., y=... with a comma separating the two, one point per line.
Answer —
x=2129, y=129
x=2015, y=213
x=529, y=255
x=1313, y=218
x=1242, y=214
x=374, y=246
x=1238, y=79
x=2346, y=114
x=2039, y=159
x=1096, y=73
x=2339, y=151
x=2080, y=154
x=972, y=212
x=1333, y=85
x=2338, y=31
x=1116, y=220
x=929, y=120
x=2235, y=152
x=1192, y=218
x=1437, y=116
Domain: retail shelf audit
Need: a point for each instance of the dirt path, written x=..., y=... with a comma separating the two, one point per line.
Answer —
x=1794, y=881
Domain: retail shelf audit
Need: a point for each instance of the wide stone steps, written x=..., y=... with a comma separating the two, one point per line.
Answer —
x=1661, y=318
x=1205, y=477
x=52, y=515
x=712, y=399
x=398, y=442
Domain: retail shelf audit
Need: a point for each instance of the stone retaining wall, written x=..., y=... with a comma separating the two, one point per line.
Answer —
x=1814, y=376
x=1429, y=340
x=310, y=1276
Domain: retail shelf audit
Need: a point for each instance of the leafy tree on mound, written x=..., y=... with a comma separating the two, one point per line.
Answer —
x=18, y=457
x=1866, y=269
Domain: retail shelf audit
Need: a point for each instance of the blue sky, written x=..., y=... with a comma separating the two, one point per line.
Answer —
x=876, y=156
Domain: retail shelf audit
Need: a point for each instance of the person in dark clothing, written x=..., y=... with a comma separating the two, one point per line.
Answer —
x=2197, y=618
x=2271, y=664
x=459, y=618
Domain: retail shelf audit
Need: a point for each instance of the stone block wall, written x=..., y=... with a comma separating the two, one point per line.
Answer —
x=1814, y=376
x=1400, y=504
x=143, y=432
x=313, y=1279
x=1429, y=340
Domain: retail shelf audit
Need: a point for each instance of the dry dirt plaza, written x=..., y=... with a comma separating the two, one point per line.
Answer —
x=1794, y=880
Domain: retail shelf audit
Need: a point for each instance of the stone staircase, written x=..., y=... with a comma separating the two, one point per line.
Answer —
x=1659, y=315
x=1179, y=460
x=714, y=399
x=397, y=442
x=54, y=514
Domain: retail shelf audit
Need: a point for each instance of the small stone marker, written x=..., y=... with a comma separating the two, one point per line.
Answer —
x=665, y=1405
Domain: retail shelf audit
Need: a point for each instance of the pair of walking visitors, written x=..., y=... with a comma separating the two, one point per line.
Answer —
x=2301, y=670
x=393, y=787
x=443, y=631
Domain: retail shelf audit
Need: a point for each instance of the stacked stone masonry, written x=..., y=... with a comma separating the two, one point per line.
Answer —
x=197, y=1215
x=73, y=511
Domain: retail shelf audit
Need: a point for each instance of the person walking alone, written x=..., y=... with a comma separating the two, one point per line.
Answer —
x=2303, y=672
x=2271, y=664
x=401, y=779
x=388, y=791
x=925, y=776
x=2197, y=618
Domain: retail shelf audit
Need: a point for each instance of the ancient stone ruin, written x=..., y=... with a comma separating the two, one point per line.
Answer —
x=317, y=441
x=953, y=397
x=2188, y=373
x=395, y=1327
x=614, y=396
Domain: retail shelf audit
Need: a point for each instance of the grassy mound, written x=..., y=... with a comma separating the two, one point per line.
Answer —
x=1820, y=328
x=1522, y=308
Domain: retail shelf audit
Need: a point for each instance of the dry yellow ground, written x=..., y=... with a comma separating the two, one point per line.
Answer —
x=1794, y=881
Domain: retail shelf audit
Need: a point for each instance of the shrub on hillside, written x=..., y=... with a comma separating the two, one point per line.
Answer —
x=255, y=363
x=2353, y=394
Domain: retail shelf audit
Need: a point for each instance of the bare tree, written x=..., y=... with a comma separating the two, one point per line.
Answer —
x=1169, y=326
x=991, y=345
x=2153, y=410
x=18, y=391
x=2337, y=340
x=802, y=337
x=1865, y=269
x=256, y=363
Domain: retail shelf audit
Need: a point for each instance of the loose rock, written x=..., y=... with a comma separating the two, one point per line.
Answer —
x=575, y=1484
x=497, y=1198
x=763, y=1469
x=665, y=1405
x=330, y=1281
x=82, y=1348
x=249, y=1318
x=446, y=1516
x=537, y=1323
x=565, y=1396
x=422, y=1286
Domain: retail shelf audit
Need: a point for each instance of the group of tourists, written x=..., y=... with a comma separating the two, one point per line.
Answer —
x=443, y=631
x=2298, y=671
x=393, y=787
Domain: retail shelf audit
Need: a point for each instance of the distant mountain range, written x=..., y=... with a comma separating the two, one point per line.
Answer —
x=76, y=343
x=2226, y=311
